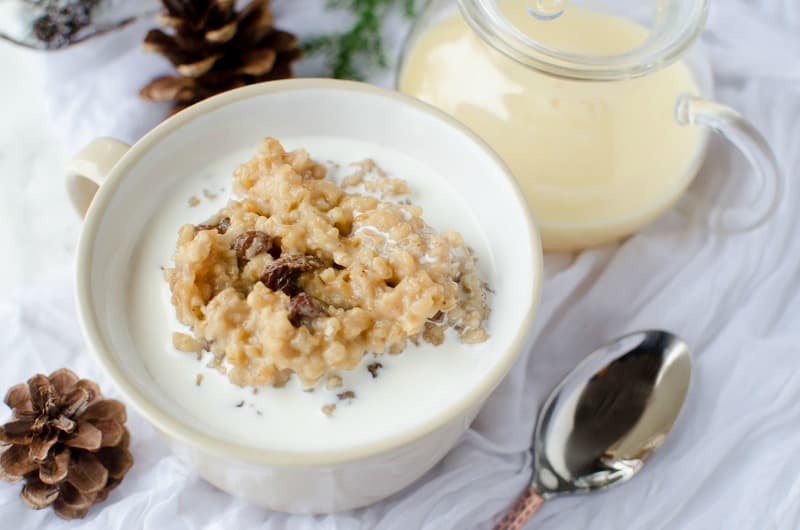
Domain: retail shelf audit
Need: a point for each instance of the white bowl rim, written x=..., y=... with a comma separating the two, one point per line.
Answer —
x=182, y=431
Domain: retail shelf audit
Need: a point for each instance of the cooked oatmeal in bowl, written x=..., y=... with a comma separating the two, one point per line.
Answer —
x=303, y=275
x=357, y=435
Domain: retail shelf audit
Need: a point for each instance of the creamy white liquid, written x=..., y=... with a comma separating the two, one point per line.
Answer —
x=410, y=388
x=596, y=159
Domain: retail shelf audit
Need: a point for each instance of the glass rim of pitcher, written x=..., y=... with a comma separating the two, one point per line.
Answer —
x=491, y=25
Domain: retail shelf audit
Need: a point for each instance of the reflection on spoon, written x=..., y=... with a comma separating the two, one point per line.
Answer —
x=606, y=418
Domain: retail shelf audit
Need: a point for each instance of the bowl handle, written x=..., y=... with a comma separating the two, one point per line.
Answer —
x=89, y=168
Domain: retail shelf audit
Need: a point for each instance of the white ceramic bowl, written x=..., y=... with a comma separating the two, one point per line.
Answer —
x=133, y=180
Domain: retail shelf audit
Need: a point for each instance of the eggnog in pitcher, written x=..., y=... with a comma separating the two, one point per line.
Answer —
x=596, y=160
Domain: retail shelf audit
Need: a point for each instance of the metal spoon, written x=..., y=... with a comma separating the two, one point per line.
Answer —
x=606, y=418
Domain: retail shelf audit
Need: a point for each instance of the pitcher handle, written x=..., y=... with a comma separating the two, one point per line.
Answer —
x=89, y=168
x=693, y=110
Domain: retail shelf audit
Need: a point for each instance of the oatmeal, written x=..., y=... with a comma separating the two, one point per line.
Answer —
x=304, y=276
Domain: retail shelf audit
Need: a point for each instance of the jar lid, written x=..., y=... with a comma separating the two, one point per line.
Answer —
x=641, y=36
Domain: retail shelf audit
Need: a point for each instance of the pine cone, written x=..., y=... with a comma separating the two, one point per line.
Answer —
x=66, y=441
x=215, y=48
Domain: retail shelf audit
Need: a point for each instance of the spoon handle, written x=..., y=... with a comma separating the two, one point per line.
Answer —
x=523, y=510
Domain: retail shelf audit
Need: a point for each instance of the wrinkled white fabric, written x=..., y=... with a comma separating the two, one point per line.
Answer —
x=733, y=460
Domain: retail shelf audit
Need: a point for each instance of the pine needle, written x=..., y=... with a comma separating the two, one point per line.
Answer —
x=361, y=47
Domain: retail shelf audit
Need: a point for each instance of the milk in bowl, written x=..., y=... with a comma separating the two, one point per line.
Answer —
x=382, y=395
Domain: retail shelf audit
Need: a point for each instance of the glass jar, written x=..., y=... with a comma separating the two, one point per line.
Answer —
x=589, y=102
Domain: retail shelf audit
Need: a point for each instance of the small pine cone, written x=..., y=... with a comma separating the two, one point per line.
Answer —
x=215, y=48
x=65, y=441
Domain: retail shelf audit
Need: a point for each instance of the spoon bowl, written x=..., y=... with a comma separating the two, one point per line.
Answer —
x=605, y=419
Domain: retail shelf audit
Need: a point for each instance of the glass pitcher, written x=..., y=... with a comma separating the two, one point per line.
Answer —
x=592, y=103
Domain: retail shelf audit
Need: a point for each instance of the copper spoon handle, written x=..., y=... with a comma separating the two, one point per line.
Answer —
x=523, y=510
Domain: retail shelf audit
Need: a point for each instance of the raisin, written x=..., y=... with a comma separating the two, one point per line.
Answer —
x=221, y=227
x=250, y=244
x=305, y=307
x=348, y=394
x=373, y=369
x=438, y=318
x=283, y=273
x=276, y=249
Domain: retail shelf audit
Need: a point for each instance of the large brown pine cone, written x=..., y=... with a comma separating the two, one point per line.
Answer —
x=66, y=441
x=215, y=48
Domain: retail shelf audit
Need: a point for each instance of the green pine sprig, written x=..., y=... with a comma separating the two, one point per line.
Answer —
x=361, y=47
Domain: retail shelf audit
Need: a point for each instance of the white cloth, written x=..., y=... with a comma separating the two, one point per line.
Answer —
x=732, y=461
x=95, y=86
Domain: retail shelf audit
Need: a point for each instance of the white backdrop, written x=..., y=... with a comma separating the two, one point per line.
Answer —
x=733, y=460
